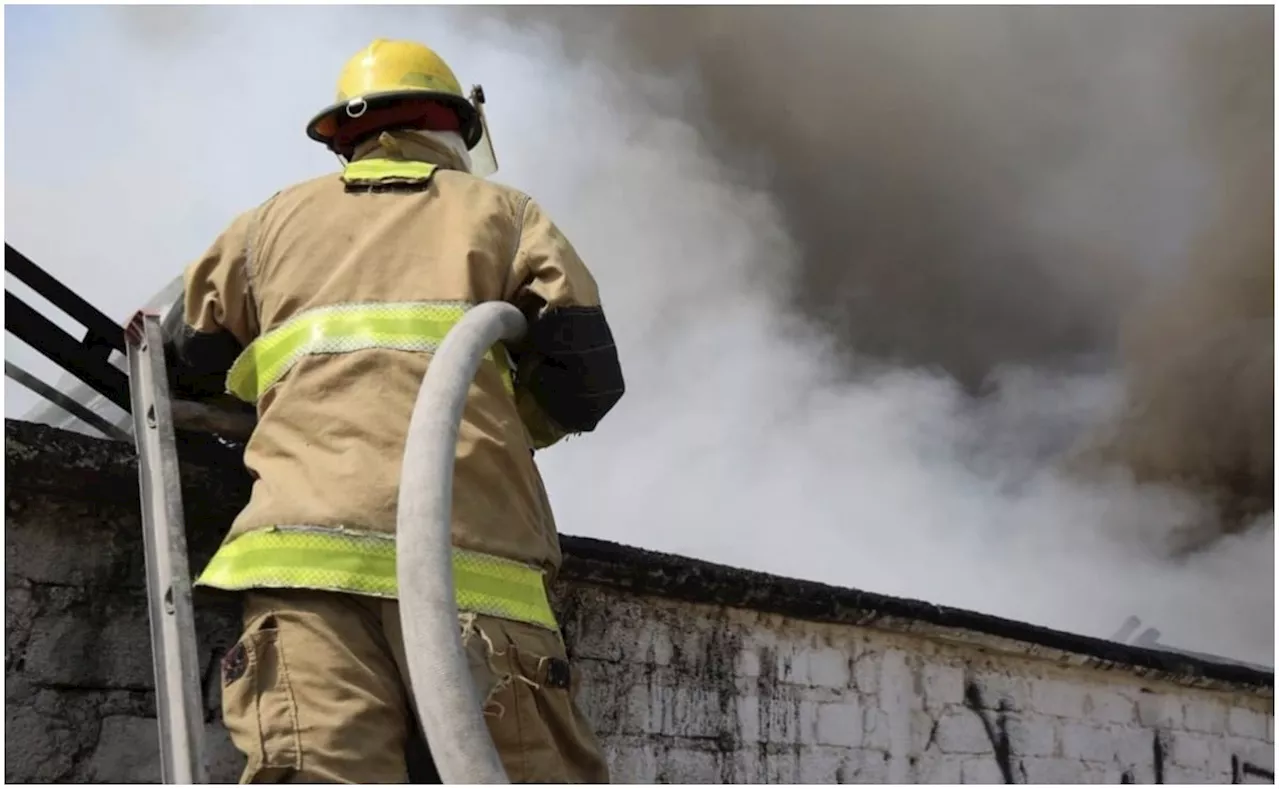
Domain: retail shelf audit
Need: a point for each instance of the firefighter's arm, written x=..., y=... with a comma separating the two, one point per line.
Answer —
x=213, y=321
x=567, y=371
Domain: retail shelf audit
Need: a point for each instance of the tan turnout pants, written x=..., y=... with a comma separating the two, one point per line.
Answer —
x=316, y=691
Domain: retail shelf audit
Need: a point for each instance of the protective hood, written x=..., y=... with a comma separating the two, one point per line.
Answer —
x=444, y=149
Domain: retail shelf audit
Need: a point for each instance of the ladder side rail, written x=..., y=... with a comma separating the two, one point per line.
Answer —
x=179, y=702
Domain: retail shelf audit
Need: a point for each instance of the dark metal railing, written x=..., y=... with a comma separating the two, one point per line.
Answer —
x=88, y=358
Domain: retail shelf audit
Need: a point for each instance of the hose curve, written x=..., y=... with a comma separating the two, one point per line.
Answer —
x=447, y=704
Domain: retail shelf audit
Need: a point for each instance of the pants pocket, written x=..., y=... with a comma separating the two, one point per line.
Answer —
x=258, y=707
x=526, y=683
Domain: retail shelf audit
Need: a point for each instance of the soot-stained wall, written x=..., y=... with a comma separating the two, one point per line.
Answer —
x=690, y=672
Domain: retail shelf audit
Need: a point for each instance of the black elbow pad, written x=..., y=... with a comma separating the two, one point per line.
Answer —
x=574, y=374
x=197, y=362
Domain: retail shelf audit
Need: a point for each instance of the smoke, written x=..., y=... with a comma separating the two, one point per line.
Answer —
x=968, y=187
x=972, y=189
x=867, y=267
x=1200, y=354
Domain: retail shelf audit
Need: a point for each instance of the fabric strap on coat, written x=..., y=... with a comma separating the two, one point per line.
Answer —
x=340, y=561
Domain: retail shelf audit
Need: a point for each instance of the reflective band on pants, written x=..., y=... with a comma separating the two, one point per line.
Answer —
x=344, y=328
x=366, y=564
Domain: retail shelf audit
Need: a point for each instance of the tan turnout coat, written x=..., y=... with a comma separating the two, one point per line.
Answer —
x=327, y=450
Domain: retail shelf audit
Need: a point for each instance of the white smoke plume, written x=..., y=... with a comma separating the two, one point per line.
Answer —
x=867, y=297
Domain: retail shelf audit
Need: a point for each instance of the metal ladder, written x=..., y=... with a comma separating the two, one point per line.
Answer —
x=179, y=701
x=145, y=393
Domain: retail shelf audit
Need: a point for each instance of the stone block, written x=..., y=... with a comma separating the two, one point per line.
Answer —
x=1088, y=742
x=653, y=645
x=40, y=747
x=687, y=766
x=1099, y=774
x=128, y=752
x=1135, y=748
x=19, y=614
x=1056, y=697
x=747, y=663
x=223, y=761
x=790, y=665
x=821, y=765
x=961, y=731
x=1255, y=752
x=866, y=767
x=1110, y=706
x=747, y=710
x=782, y=767
x=688, y=712
x=1244, y=722
x=1041, y=770
x=742, y=765
x=632, y=763
x=938, y=769
x=642, y=710
x=828, y=668
x=866, y=674
x=81, y=648
x=876, y=729
x=984, y=770
x=1032, y=735
x=36, y=549
x=942, y=684
x=1174, y=774
x=1158, y=711
x=1188, y=749
x=921, y=731
x=1205, y=715
x=840, y=724
x=995, y=686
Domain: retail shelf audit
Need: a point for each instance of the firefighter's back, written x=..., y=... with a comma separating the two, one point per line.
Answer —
x=353, y=286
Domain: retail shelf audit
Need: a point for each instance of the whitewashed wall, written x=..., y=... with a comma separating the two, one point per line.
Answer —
x=683, y=674
x=689, y=693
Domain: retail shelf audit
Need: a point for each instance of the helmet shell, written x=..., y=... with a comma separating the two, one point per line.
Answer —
x=386, y=72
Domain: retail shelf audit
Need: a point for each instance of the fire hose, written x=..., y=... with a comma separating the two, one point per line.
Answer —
x=448, y=706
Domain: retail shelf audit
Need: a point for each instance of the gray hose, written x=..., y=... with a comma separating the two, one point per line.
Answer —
x=447, y=702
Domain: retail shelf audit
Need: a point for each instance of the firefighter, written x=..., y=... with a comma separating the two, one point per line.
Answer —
x=321, y=307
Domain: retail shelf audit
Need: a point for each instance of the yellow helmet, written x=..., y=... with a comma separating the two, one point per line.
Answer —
x=387, y=73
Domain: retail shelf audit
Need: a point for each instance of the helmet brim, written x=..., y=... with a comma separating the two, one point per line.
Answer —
x=324, y=126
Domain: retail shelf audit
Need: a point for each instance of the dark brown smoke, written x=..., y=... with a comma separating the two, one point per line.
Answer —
x=1200, y=357
x=975, y=187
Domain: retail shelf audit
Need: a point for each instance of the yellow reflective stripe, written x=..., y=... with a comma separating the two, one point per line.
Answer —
x=386, y=169
x=344, y=328
x=366, y=564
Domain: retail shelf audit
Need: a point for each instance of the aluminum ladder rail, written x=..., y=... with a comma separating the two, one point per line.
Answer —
x=179, y=702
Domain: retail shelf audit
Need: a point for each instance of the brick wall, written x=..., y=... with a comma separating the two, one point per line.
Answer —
x=691, y=673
